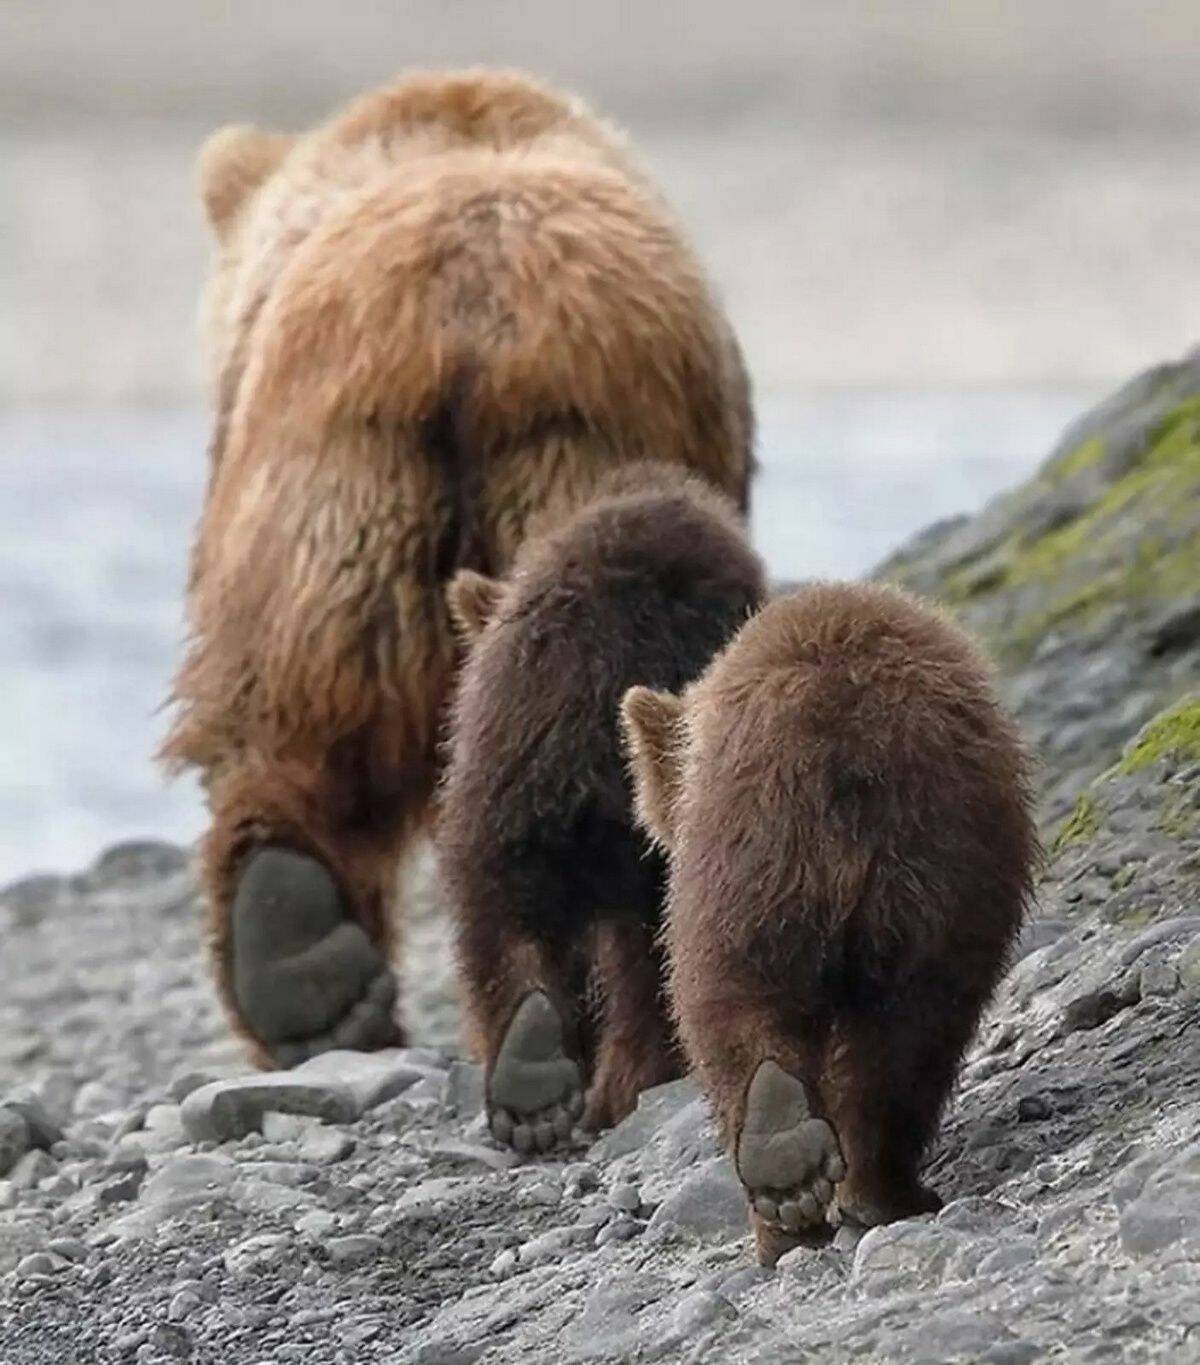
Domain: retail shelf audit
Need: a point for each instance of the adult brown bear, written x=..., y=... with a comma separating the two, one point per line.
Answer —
x=431, y=321
x=848, y=815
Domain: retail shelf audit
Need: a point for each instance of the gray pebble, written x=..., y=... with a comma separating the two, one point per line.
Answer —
x=626, y=1198
x=1149, y=1225
x=1157, y=977
x=463, y=1089
x=256, y=1253
x=43, y=1131
x=14, y=1139
x=580, y=1178
x=709, y=1203
x=185, y=1080
x=31, y=1169
x=346, y=1253
x=277, y=1127
x=698, y=1311
x=1032, y=1108
x=848, y=1236
x=550, y=1245
x=542, y=1193
x=122, y=1187
x=619, y=1229
x=40, y=1263
x=182, y=1305
x=325, y=1145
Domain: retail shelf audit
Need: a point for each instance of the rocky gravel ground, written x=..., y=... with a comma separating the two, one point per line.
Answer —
x=160, y=1203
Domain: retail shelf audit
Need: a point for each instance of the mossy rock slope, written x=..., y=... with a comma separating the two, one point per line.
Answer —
x=1084, y=582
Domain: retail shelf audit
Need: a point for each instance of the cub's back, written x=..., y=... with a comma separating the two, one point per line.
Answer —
x=644, y=585
x=849, y=754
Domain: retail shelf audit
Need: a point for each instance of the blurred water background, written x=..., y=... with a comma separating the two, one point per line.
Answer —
x=941, y=227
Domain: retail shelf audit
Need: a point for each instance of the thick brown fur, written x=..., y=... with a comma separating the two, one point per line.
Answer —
x=536, y=836
x=851, y=848
x=431, y=321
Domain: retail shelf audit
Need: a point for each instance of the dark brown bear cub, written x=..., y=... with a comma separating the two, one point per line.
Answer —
x=847, y=812
x=557, y=893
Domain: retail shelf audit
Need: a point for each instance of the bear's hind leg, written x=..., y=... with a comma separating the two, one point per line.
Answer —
x=636, y=1048
x=891, y=1073
x=305, y=976
x=301, y=887
x=788, y=1158
x=760, y=1057
x=534, y=1091
x=524, y=1011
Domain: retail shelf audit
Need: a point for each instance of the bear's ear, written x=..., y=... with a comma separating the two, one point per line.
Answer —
x=232, y=164
x=472, y=598
x=652, y=724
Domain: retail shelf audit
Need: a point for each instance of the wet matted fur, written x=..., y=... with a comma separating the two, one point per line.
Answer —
x=848, y=816
x=432, y=320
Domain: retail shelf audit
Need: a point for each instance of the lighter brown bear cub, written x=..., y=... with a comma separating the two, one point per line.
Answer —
x=848, y=818
x=432, y=320
x=556, y=893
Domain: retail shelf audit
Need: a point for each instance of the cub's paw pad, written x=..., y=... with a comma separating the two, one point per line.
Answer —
x=305, y=976
x=788, y=1160
x=534, y=1091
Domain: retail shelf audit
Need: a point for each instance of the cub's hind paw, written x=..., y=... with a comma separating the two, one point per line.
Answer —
x=305, y=977
x=788, y=1160
x=534, y=1091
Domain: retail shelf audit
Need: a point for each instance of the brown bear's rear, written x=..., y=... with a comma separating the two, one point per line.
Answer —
x=433, y=321
x=550, y=881
x=849, y=817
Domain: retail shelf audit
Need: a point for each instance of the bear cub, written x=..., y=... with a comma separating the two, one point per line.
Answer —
x=847, y=813
x=557, y=894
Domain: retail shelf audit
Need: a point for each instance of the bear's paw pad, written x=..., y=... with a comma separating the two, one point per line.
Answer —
x=305, y=976
x=788, y=1160
x=534, y=1092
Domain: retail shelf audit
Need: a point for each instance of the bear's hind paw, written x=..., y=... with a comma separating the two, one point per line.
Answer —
x=306, y=978
x=787, y=1159
x=534, y=1091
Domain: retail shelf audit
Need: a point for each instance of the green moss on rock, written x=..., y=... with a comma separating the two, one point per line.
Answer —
x=1125, y=876
x=1085, y=455
x=1175, y=732
x=1081, y=825
x=1137, y=544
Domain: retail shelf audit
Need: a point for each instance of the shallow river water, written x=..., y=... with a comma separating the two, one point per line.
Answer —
x=96, y=512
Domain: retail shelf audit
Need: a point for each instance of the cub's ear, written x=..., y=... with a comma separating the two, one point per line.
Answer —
x=652, y=726
x=233, y=163
x=471, y=598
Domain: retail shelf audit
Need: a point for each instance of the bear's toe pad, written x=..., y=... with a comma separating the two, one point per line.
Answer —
x=305, y=977
x=788, y=1160
x=534, y=1091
